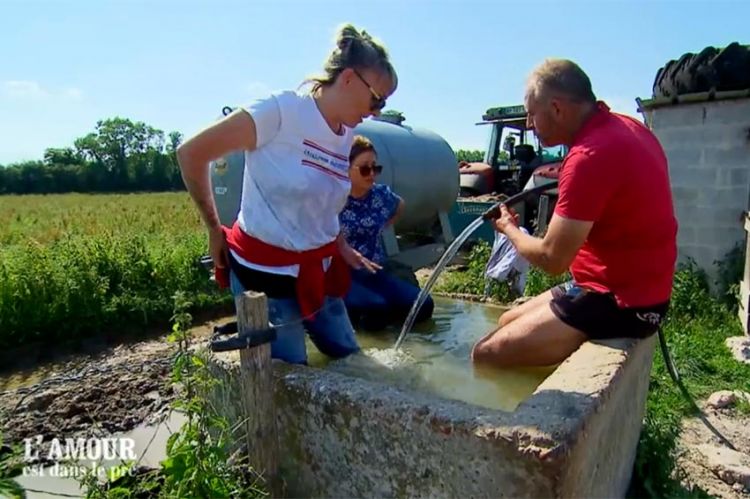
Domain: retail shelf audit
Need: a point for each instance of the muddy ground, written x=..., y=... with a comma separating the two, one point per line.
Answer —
x=87, y=395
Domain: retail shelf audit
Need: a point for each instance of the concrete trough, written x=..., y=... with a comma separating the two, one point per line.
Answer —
x=341, y=436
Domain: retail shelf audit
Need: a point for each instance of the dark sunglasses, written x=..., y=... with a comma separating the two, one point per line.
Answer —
x=376, y=101
x=366, y=170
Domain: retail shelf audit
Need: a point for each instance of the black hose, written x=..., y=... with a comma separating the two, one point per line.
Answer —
x=494, y=210
x=676, y=378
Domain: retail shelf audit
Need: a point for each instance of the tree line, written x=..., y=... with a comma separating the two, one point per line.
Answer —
x=469, y=155
x=120, y=155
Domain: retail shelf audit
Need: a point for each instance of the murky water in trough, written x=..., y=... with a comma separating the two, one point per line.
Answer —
x=434, y=358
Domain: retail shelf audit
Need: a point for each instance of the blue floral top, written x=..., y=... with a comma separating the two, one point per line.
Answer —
x=363, y=219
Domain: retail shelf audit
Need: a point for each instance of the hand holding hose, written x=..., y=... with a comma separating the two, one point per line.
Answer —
x=507, y=217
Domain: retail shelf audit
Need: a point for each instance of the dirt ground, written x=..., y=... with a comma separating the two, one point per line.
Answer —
x=706, y=463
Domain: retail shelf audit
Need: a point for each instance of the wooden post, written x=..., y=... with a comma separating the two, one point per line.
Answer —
x=258, y=391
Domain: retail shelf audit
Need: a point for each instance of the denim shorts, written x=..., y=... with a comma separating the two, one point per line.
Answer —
x=330, y=330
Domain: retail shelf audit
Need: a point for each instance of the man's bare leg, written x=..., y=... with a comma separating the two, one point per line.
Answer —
x=514, y=313
x=536, y=338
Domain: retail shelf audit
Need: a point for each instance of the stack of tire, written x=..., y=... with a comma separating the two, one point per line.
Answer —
x=712, y=69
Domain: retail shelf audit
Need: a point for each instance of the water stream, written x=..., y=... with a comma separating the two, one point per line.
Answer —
x=450, y=252
x=453, y=248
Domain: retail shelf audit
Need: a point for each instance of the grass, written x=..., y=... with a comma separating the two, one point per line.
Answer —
x=696, y=327
x=11, y=466
x=72, y=265
x=471, y=279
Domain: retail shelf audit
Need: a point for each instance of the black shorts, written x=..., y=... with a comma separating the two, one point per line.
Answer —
x=272, y=285
x=598, y=316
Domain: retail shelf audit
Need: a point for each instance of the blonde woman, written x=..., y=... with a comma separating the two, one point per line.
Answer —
x=286, y=241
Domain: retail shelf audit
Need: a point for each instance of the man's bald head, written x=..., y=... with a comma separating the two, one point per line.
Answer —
x=560, y=78
x=559, y=99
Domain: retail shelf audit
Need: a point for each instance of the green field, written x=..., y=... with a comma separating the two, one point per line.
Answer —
x=72, y=265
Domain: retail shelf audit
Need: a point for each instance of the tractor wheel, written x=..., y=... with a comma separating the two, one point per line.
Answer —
x=711, y=69
x=732, y=65
x=699, y=76
x=665, y=85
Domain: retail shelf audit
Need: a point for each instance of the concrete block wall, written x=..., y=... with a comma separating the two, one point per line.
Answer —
x=708, y=146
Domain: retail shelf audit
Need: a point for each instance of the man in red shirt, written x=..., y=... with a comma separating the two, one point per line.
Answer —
x=613, y=227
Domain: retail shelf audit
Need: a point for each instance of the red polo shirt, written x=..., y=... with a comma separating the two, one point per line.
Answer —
x=616, y=175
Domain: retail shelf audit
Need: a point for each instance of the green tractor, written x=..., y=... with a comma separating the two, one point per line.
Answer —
x=515, y=160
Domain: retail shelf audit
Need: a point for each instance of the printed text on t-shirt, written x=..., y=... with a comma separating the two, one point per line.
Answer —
x=324, y=160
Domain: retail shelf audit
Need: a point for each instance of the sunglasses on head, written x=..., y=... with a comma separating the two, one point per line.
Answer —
x=366, y=170
x=376, y=101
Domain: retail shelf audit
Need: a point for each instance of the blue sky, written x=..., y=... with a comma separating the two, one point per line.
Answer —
x=173, y=64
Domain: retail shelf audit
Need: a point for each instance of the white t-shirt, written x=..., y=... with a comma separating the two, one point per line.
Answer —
x=296, y=181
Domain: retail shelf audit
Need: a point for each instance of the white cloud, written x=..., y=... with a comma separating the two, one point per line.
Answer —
x=74, y=94
x=22, y=89
x=28, y=90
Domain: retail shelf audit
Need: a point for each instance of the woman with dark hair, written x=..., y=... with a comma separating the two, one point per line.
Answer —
x=375, y=298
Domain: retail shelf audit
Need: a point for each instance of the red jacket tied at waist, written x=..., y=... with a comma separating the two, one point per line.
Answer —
x=313, y=284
